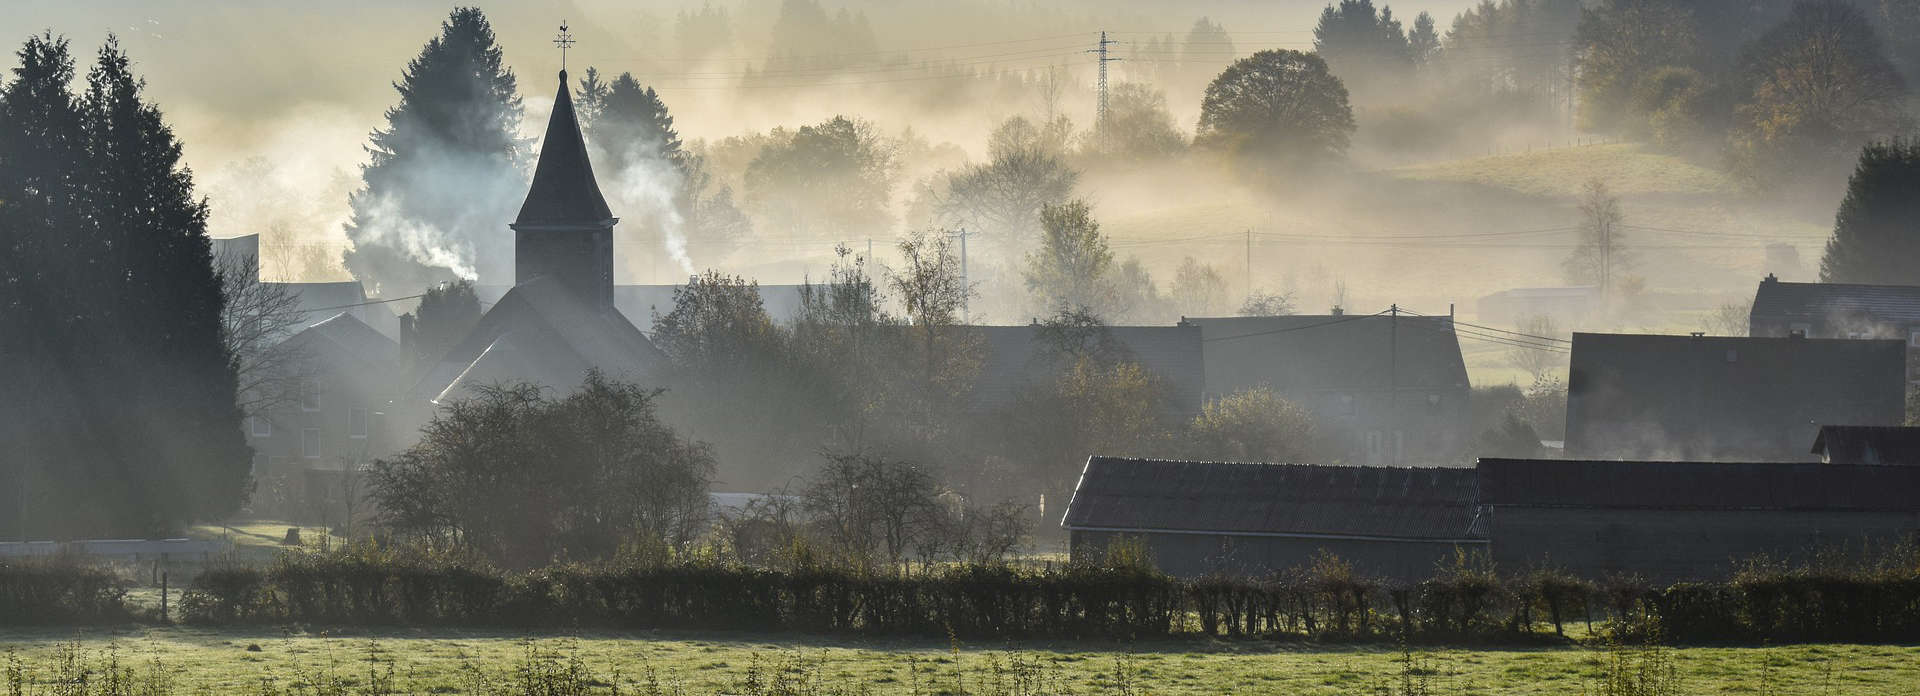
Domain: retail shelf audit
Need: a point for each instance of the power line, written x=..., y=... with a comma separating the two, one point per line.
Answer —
x=363, y=304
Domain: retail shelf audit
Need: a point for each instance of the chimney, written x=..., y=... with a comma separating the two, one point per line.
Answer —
x=1770, y=279
x=407, y=339
x=1338, y=312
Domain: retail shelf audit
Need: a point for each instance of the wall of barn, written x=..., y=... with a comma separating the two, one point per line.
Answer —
x=1673, y=545
x=1192, y=555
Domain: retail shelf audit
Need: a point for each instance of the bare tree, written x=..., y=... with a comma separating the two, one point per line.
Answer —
x=1537, y=362
x=1601, y=256
x=870, y=507
x=255, y=324
x=934, y=294
x=1731, y=319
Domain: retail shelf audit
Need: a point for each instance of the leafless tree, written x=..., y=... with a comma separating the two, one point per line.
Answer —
x=872, y=508
x=1535, y=361
x=255, y=324
x=1731, y=319
x=1601, y=257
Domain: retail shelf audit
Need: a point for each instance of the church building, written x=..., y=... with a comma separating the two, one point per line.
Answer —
x=559, y=320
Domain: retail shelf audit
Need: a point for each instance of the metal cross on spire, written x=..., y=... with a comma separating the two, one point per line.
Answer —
x=563, y=40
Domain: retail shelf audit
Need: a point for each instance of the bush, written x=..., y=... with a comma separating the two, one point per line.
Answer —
x=60, y=589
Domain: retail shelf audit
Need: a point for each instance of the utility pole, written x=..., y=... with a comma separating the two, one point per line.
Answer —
x=1393, y=380
x=1100, y=49
x=1249, y=263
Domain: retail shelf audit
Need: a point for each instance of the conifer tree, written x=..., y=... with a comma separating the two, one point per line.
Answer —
x=111, y=323
x=447, y=173
x=1876, y=233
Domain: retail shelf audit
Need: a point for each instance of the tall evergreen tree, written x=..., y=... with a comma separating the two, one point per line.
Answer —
x=135, y=428
x=447, y=173
x=1876, y=233
x=630, y=123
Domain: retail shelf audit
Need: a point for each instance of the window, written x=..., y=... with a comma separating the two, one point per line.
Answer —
x=310, y=443
x=309, y=395
x=357, y=422
x=1913, y=338
x=1346, y=404
x=260, y=426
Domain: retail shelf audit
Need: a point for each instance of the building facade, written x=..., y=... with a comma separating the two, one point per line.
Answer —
x=1198, y=518
x=1676, y=521
x=1839, y=310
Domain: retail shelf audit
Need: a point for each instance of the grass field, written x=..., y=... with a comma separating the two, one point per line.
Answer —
x=222, y=661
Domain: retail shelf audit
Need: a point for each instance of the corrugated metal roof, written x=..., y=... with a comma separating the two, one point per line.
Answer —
x=1288, y=499
x=1697, y=485
x=1900, y=303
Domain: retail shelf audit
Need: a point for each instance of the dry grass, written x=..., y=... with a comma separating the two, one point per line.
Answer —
x=220, y=661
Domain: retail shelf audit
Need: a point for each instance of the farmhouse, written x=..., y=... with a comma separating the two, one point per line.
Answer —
x=1699, y=398
x=1392, y=389
x=1202, y=517
x=1839, y=310
x=1671, y=521
x=342, y=372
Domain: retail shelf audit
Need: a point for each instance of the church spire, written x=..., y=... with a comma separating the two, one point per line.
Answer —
x=564, y=191
x=565, y=231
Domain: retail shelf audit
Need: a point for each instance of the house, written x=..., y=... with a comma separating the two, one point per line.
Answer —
x=343, y=374
x=1670, y=521
x=1388, y=389
x=1513, y=307
x=559, y=320
x=1839, y=310
x=1202, y=517
x=1701, y=398
x=1868, y=445
x=315, y=301
x=1016, y=358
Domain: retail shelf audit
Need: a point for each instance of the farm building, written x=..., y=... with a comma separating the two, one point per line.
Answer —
x=1566, y=305
x=1201, y=517
x=1699, y=398
x=1868, y=445
x=1671, y=521
x=1388, y=390
x=1015, y=358
x=1839, y=310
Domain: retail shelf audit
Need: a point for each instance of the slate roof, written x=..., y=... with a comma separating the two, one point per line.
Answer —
x=540, y=332
x=1633, y=396
x=1305, y=353
x=1697, y=485
x=1868, y=444
x=1819, y=301
x=1015, y=357
x=318, y=301
x=355, y=338
x=563, y=191
x=639, y=302
x=1424, y=504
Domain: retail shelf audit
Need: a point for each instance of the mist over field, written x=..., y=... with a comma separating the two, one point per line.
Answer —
x=1433, y=206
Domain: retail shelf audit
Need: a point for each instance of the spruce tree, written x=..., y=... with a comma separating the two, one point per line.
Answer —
x=447, y=173
x=630, y=124
x=127, y=423
x=1876, y=233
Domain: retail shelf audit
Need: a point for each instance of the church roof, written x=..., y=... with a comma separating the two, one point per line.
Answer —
x=539, y=332
x=564, y=191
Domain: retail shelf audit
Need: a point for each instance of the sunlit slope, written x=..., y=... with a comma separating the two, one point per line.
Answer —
x=1630, y=170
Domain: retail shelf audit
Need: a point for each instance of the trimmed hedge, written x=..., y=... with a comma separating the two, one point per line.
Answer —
x=60, y=590
x=1462, y=604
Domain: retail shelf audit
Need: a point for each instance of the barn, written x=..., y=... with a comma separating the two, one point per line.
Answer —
x=1197, y=518
x=1674, y=521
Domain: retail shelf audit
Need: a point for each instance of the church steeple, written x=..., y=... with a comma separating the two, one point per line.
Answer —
x=565, y=229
